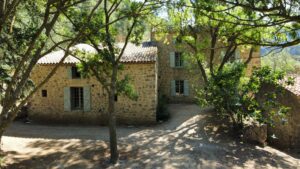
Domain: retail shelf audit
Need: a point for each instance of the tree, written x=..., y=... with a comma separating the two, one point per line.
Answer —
x=283, y=16
x=23, y=41
x=101, y=34
x=279, y=11
x=216, y=41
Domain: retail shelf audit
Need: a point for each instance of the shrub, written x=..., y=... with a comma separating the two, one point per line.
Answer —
x=235, y=95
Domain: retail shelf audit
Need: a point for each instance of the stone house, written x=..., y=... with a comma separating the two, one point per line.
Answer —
x=178, y=78
x=156, y=69
x=68, y=98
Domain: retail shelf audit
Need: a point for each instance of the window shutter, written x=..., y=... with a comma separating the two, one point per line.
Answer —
x=87, y=98
x=172, y=59
x=222, y=54
x=237, y=54
x=173, y=88
x=69, y=71
x=67, y=99
x=186, y=88
x=185, y=63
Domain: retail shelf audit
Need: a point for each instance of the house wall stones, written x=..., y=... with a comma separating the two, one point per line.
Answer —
x=168, y=73
x=189, y=72
x=51, y=109
x=287, y=134
x=254, y=62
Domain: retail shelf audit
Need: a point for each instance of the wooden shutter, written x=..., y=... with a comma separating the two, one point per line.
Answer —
x=69, y=71
x=173, y=88
x=172, y=59
x=87, y=98
x=237, y=54
x=185, y=63
x=67, y=99
x=186, y=88
x=222, y=54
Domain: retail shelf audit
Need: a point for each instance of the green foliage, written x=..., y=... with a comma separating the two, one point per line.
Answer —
x=4, y=79
x=94, y=64
x=26, y=36
x=245, y=98
x=127, y=20
x=281, y=61
x=210, y=28
x=125, y=88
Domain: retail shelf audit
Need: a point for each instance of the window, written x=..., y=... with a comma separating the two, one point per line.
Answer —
x=179, y=87
x=116, y=97
x=44, y=93
x=178, y=59
x=76, y=98
x=237, y=54
x=75, y=73
x=176, y=40
x=222, y=54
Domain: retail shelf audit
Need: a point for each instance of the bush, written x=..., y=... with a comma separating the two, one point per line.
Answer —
x=236, y=96
x=162, y=110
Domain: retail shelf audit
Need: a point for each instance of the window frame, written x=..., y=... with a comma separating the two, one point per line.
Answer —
x=179, y=87
x=75, y=74
x=44, y=93
x=76, y=98
x=178, y=59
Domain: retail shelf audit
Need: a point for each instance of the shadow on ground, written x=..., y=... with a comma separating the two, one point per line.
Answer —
x=199, y=141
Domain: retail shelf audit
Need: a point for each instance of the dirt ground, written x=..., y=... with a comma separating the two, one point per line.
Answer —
x=190, y=139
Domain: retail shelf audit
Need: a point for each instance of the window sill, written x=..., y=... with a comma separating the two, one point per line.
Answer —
x=77, y=110
x=179, y=67
x=179, y=95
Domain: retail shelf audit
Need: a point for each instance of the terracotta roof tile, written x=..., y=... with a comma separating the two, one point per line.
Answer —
x=145, y=52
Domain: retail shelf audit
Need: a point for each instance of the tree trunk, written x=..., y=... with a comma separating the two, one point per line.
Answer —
x=1, y=134
x=112, y=119
x=7, y=115
x=3, y=126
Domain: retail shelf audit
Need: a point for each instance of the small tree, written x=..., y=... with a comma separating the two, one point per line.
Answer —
x=215, y=41
x=245, y=98
x=29, y=31
x=106, y=63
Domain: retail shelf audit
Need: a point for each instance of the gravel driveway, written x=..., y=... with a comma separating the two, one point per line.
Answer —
x=187, y=140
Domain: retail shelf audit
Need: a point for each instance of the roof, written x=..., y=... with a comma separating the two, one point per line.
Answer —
x=145, y=52
x=296, y=87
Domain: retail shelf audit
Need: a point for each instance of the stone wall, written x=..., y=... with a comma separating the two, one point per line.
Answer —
x=287, y=135
x=167, y=73
x=50, y=109
x=254, y=62
x=191, y=72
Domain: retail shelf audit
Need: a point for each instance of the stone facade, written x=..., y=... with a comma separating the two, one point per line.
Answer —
x=189, y=72
x=153, y=69
x=168, y=73
x=50, y=109
x=254, y=62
